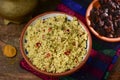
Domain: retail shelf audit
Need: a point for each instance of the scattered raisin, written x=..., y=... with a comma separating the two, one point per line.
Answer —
x=38, y=44
x=67, y=52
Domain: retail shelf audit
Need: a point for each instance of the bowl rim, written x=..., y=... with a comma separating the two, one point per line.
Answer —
x=92, y=29
x=54, y=74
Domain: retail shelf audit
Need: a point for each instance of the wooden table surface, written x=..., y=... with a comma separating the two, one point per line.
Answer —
x=9, y=67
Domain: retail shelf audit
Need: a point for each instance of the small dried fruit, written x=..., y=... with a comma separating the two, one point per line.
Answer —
x=9, y=51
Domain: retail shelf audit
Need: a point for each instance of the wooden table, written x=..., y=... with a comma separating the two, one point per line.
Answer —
x=9, y=67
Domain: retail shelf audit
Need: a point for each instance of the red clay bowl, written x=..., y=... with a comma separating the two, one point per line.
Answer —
x=95, y=3
x=46, y=15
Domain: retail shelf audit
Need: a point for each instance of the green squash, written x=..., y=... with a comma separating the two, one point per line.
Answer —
x=17, y=10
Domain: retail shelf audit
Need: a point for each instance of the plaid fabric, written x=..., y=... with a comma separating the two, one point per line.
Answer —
x=94, y=69
x=83, y=3
x=24, y=65
x=102, y=58
x=74, y=6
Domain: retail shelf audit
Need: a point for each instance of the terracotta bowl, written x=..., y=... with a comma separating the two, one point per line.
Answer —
x=95, y=3
x=43, y=16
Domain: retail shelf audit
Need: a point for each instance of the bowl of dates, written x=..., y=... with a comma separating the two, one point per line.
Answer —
x=103, y=19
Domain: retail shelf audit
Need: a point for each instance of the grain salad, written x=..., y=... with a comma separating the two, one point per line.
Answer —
x=56, y=44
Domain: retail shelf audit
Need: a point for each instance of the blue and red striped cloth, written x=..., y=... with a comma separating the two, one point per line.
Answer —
x=96, y=68
x=103, y=55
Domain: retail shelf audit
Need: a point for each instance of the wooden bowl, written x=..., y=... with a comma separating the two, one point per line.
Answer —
x=95, y=3
x=52, y=14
